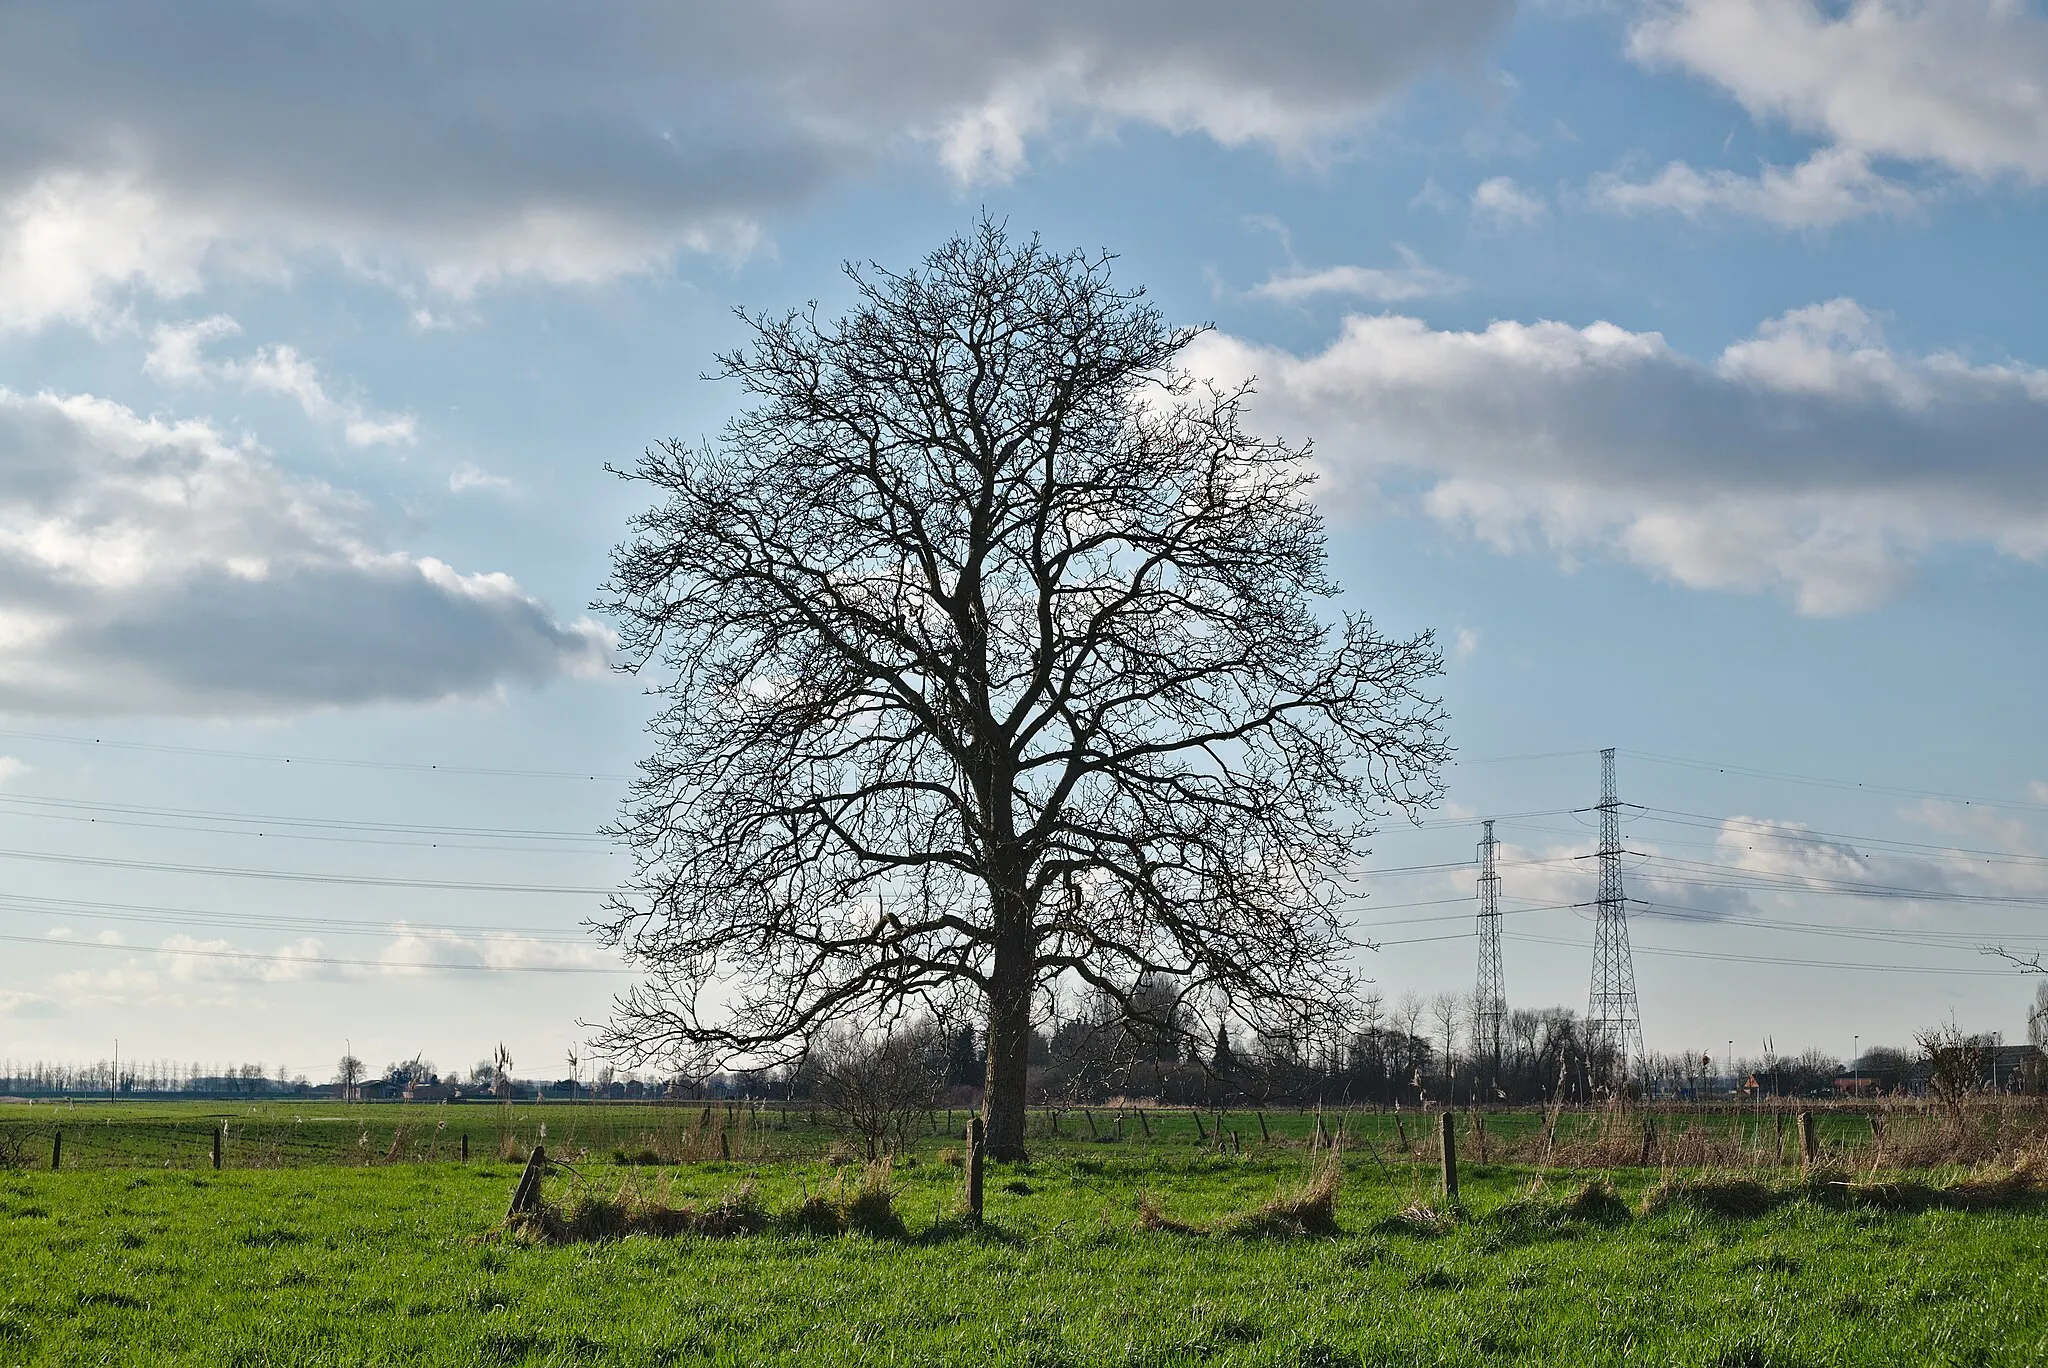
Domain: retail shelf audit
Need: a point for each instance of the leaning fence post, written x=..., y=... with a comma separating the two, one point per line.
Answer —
x=1143, y=1124
x=217, y=1132
x=1809, y=1143
x=526, y=1196
x=1447, y=1131
x=976, y=1132
x=56, y=1150
x=1199, y=1131
x=1265, y=1136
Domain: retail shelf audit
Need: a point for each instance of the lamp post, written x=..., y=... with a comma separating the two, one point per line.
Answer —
x=1856, y=1066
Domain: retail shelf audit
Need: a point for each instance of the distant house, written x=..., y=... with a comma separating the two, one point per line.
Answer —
x=431, y=1092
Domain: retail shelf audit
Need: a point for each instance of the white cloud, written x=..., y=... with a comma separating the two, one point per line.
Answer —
x=70, y=237
x=1464, y=645
x=1414, y=278
x=176, y=356
x=1811, y=457
x=419, y=952
x=467, y=477
x=1833, y=185
x=463, y=144
x=148, y=565
x=26, y=1005
x=2037, y=790
x=1951, y=83
x=12, y=768
x=1505, y=204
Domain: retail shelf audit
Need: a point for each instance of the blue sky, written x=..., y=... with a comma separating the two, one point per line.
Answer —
x=1680, y=362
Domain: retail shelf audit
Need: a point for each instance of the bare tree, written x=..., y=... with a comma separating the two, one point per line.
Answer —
x=1446, y=1010
x=877, y=1088
x=993, y=650
x=349, y=1073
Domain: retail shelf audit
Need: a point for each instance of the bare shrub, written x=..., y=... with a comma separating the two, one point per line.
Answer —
x=878, y=1088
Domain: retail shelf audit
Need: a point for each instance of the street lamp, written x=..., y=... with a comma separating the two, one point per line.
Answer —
x=1856, y=1067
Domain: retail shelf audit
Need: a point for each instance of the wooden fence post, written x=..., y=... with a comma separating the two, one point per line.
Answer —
x=1199, y=1131
x=1809, y=1143
x=1089, y=1117
x=1401, y=1131
x=465, y=1147
x=1143, y=1124
x=1265, y=1137
x=1448, y=1134
x=526, y=1196
x=218, y=1131
x=56, y=1150
x=975, y=1133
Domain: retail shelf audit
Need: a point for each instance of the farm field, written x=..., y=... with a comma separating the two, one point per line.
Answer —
x=271, y=1134
x=407, y=1263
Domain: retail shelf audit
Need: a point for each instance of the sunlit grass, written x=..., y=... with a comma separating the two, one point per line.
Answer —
x=408, y=1264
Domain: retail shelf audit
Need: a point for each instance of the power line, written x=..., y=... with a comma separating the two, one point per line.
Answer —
x=1778, y=960
x=196, y=952
x=318, y=823
x=295, y=876
x=312, y=760
x=153, y=914
x=1850, y=785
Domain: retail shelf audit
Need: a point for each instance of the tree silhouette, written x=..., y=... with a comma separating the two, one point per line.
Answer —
x=991, y=650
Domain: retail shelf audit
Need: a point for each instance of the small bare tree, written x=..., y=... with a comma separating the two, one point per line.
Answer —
x=994, y=651
x=349, y=1073
x=1955, y=1064
x=875, y=1088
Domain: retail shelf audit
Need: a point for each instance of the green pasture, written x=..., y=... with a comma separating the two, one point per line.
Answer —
x=407, y=1263
x=273, y=1134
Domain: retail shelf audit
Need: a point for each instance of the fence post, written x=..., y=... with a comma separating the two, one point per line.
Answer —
x=1448, y=1133
x=1089, y=1117
x=976, y=1130
x=1265, y=1136
x=465, y=1147
x=218, y=1131
x=1143, y=1124
x=1199, y=1131
x=56, y=1151
x=1809, y=1143
x=526, y=1196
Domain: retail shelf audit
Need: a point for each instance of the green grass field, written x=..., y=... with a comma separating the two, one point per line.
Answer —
x=406, y=1263
x=272, y=1134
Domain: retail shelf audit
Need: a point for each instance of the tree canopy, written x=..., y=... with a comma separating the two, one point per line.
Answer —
x=992, y=649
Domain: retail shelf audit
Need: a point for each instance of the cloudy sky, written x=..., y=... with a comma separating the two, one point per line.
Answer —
x=1680, y=361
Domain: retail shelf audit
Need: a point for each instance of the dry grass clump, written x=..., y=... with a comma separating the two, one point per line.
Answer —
x=1716, y=1194
x=866, y=1206
x=591, y=1217
x=1595, y=1202
x=1307, y=1209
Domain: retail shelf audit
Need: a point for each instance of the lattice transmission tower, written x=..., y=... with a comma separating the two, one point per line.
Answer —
x=1490, y=999
x=1613, y=1020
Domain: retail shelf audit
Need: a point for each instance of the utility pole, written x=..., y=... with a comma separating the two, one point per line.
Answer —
x=1490, y=999
x=1613, y=1019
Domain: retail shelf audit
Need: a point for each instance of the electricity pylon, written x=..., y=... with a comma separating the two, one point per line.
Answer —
x=1489, y=999
x=1613, y=1020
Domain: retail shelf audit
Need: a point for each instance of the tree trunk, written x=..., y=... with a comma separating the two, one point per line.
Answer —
x=1009, y=1042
